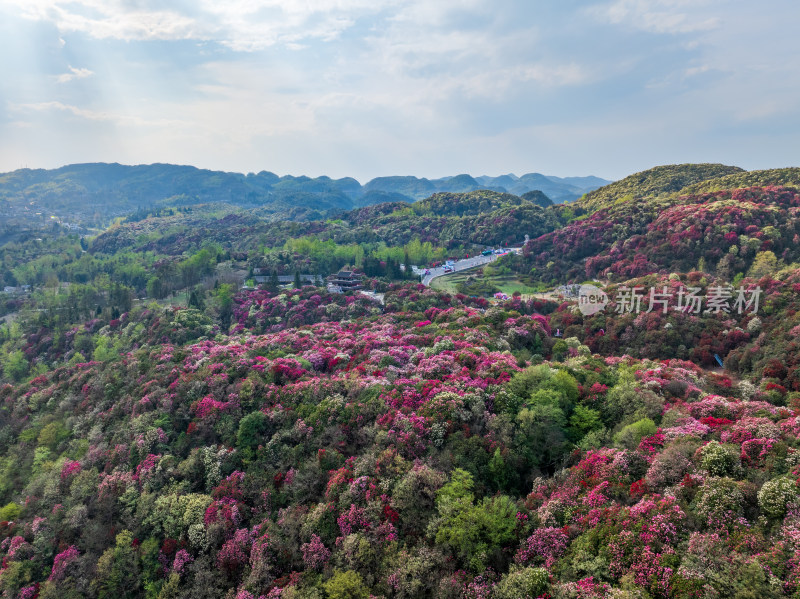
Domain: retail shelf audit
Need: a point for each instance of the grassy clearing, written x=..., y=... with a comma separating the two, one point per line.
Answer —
x=508, y=284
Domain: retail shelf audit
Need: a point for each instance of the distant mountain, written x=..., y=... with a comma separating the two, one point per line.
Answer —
x=450, y=220
x=457, y=184
x=586, y=183
x=94, y=194
x=557, y=189
x=412, y=188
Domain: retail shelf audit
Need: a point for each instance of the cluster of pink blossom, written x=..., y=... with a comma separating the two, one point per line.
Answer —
x=70, y=469
x=61, y=561
x=545, y=544
x=209, y=406
x=146, y=466
x=182, y=559
x=235, y=552
x=315, y=554
x=351, y=520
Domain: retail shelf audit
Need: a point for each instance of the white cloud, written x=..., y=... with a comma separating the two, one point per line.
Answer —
x=382, y=86
x=73, y=73
x=496, y=84
x=116, y=19
x=699, y=70
x=657, y=16
x=92, y=115
x=243, y=25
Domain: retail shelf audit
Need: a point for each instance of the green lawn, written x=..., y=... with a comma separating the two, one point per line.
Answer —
x=508, y=284
x=448, y=282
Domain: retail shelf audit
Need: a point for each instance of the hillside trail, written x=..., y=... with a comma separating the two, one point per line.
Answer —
x=725, y=372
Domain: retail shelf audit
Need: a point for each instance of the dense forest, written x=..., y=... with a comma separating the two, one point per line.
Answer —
x=175, y=421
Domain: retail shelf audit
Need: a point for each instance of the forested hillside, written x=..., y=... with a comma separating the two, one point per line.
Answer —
x=728, y=231
x=92, y=195
x=177, y=422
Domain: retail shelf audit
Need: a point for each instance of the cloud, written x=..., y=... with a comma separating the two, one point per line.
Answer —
x=699, y=70
x=115, y=19
x=242, y=25
x=73, y=73
x=657, y=16
x=246, y=25
x=92, y=115
x=381, y=86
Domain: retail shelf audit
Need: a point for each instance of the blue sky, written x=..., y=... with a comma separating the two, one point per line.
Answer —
x=366, y=88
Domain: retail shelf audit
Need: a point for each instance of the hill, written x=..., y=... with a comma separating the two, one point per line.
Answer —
x=445, y=221
x=92, y=195
x=319, y=447
x=760, y=345
x=784, y=177
x=659, y=230
x=657, y=181
x=220, y=439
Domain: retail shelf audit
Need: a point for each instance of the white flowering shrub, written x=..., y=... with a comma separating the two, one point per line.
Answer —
x=754, y=325
x=746, y=390
x=718, y=500
x=775, y=495
x=718, y=459
x=526, y=582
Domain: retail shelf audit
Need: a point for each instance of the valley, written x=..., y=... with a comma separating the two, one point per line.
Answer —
x=206, y=397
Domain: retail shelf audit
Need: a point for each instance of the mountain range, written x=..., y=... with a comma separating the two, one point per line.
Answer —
x=95, y=193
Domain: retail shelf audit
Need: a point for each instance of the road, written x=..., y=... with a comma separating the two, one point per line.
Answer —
x=458, y=266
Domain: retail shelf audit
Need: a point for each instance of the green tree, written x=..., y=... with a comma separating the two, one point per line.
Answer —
x=10, y=512
x=765, y=263
x=197, y=298
x=776, y=495
x=252, y=429
x=523, y=583
x=584, y=420
x=104, y=350
x=630, y=436
x=118, y=570
x=499, y=470
x=15, y=366
x=346, y=585
x=720, y=460
x=540, y=437
x=475, y=533
x=223, y=297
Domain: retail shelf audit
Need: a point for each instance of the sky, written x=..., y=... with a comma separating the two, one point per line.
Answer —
x=431, y=88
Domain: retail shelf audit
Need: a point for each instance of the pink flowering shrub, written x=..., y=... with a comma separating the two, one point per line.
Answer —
x=755, y=451
x=70, y=469
x=315, y=554
x=351, y=520
x=751, y=428
x=61, y=561
x=667, y=468
x=182, y=559
x=235, y=553
x=545, y=544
